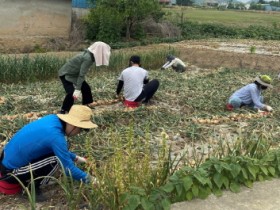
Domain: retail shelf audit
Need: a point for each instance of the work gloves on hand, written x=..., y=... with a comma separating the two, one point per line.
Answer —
x=268, y=108
x=89, y=179
x=92, y=180
x=77, y=94
x=80, y=159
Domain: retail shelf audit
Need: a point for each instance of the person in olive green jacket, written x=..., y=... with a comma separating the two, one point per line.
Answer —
x=72, y=74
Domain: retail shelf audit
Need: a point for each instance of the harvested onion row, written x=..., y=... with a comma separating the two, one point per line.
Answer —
x=2, y=100
x=28, y=116
x=232, y=117
x=104, y=102
x=36, y=115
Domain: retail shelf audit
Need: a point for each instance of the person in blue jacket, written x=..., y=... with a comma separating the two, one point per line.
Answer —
x=41, y=147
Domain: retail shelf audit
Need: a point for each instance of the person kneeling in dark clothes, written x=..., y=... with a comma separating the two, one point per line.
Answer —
x=136, y=84
x=72, y=74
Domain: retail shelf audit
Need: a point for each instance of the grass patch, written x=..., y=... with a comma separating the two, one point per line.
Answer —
x=233, y=18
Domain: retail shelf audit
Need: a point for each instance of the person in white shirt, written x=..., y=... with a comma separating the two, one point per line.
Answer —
x=250, y=95
x=136, y=84
x=177, y=64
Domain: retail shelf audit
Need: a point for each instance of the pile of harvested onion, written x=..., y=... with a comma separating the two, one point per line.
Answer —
x=2, y=100
x=232, y=117
x=104, y=102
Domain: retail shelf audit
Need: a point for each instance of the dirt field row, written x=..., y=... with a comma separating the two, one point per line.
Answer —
x=230, y=53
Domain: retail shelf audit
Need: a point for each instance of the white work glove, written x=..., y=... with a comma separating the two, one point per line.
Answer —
x=80, y=159
x=268, y=108
x=77, y=94
x=92, y=180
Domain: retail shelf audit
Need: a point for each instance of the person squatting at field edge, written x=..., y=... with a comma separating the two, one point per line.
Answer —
x=40, y=147
x=250, y=95
x=177, y=64
x=72, y=74
x=137, y=87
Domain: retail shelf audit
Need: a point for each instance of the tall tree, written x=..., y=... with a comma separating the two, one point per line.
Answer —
x=132, y=12
x=135, y=11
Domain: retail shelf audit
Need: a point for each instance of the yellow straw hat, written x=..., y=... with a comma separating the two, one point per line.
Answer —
x=264, y=80
x=79, y=116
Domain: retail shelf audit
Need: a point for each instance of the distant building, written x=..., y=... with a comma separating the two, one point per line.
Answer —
x=247, y=6
x=268, y=7
x=83, y=4
x=80, y=4
x=164, y=1
x=211, y=3
x=223, y=5
x=81, y=8
x=33, y=22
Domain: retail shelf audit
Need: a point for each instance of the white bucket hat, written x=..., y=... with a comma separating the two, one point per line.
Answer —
x=79, y=116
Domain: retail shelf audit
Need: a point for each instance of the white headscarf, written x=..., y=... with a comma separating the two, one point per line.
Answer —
x=101, y=52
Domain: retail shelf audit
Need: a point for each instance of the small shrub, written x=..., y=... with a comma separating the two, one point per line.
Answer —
x=253, y=49
x=39, y=49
